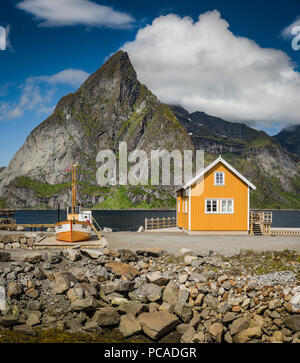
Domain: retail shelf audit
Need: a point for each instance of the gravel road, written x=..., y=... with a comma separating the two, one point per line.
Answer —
x=222, y=244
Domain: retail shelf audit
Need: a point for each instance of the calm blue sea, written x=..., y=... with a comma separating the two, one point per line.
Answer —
x=131, y=220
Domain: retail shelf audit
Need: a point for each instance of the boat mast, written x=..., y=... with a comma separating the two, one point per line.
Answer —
x=73, y=188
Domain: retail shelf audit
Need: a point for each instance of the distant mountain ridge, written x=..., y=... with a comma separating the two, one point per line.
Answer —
x=210, y=130
x=289, y=138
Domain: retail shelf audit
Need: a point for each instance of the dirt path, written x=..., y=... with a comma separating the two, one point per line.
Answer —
x=226, y=245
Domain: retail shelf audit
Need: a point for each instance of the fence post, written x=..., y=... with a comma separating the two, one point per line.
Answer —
x=146, y=224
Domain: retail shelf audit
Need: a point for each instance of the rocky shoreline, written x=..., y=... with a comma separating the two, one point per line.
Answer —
x=150, y=296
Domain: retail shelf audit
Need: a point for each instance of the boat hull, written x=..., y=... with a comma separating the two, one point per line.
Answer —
x=73, y=231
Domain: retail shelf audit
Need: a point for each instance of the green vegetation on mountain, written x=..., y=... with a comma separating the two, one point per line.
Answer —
x=3, y=203
x=44, y=190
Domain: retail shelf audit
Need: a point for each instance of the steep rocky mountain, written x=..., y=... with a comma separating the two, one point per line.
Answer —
x=289, y=138
x=113, y=106
x=110, y=107
x=258, y=156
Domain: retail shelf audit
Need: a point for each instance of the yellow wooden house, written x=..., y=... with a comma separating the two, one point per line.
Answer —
x=217, y=200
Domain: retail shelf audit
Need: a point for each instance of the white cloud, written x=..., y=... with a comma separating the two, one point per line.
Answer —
x=32, y=98
x=54, y=13
x=204, y=66
x=37, y=93
x=72, y=77
x=287, y=31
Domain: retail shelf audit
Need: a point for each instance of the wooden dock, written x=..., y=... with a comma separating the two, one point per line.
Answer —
x=52, y=243
x=7, y=212
x=260, y=225
x=285, y=232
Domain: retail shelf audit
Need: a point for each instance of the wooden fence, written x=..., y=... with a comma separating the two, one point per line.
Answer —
x=285, y=232
x=159, y=223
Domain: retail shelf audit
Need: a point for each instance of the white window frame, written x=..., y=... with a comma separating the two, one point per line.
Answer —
x=211, y=200
x=185, y=205
x=219, y=205
x=215, y=176
x=227, y=200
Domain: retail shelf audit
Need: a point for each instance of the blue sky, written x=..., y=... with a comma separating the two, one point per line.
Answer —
x=53, y=46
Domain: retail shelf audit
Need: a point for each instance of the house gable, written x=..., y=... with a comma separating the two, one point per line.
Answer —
x=212, y=166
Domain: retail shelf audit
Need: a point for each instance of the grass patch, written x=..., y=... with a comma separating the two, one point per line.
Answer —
x=43, y=190
x=261, y=263
x=117, y=200
x=58, y=336
x=3, y=203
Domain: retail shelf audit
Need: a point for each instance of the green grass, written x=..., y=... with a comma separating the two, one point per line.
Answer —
x=43, y=190
x=117, y=200
x=3, y=203
x=92, y=190
x=59, y=336
x=158, y=204
x=277, y=199
x=261, y=263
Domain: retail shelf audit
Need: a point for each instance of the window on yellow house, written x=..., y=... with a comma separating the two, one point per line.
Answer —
x=219, y=178
x=219, y=206
x=211, y=206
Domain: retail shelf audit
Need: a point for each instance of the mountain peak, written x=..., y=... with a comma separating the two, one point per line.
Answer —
x=118, y=66
x=119, y=60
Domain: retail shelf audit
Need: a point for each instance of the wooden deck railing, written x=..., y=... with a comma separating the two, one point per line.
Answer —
x=159, y=223
x=261, y=217
x=262, y=221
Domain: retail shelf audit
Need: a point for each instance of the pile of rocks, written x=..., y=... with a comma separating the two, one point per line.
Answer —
x=25, y=240
x=8, y=224
x=186, y=298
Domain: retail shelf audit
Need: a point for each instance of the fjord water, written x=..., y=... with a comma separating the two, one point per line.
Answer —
x=131, y=220
x=117, y=220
